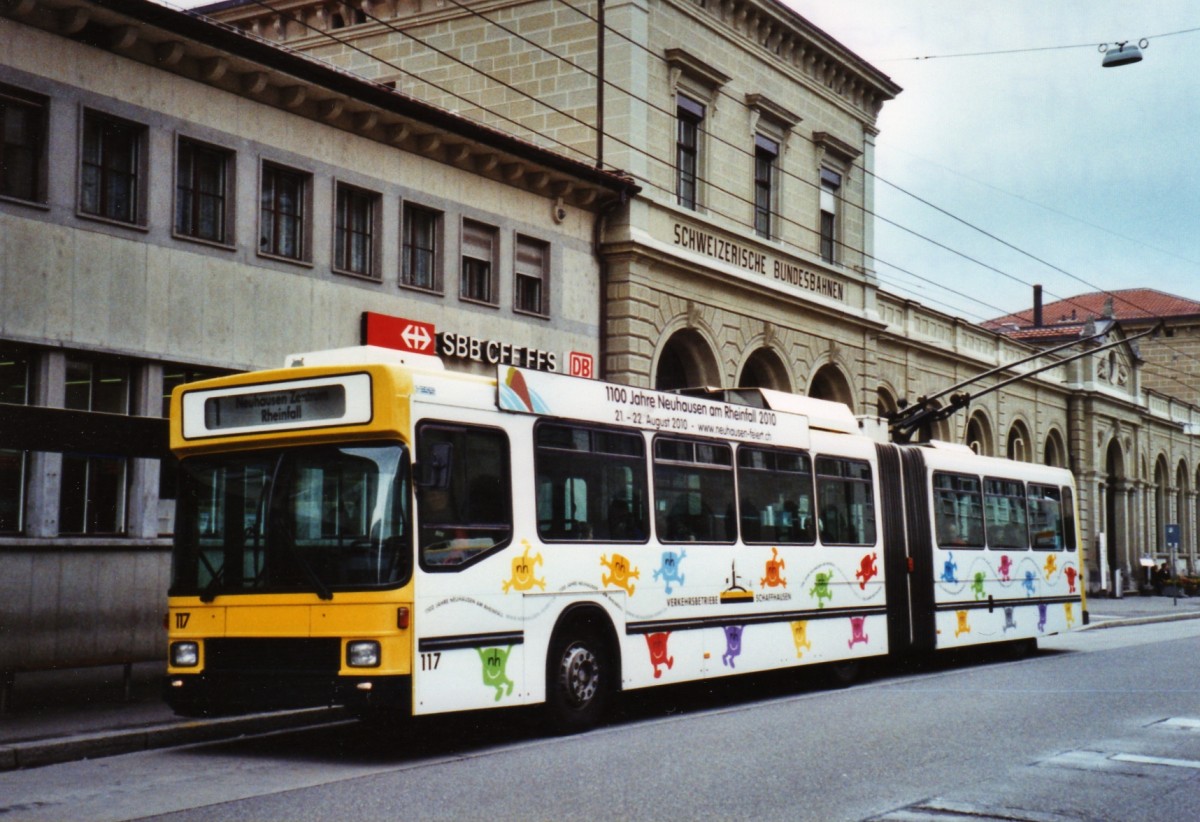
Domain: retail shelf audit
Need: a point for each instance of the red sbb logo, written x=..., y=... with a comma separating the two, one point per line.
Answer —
x=581, y=365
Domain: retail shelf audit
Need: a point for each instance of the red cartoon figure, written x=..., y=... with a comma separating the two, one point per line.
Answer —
x=1071, y=574
x=658, y=652
x=1005, y=567
x=866, y=570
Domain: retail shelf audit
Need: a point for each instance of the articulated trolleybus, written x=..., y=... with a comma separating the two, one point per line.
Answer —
x=364, y=528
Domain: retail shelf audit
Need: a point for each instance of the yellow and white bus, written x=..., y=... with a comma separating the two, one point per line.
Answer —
x=365, y=528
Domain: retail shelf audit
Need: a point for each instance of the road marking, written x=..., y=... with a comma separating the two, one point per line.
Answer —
x=1157, y=760
x=1182, y=722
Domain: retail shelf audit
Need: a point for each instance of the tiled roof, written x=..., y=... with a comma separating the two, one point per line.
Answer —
x=1129, y=305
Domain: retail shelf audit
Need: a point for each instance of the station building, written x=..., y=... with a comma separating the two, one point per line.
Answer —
x=178, y=200
x=185, y=195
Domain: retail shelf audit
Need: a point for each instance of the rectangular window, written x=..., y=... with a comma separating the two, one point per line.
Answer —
x=776, y=497
x=693, y=491
x=22, y=146
x=766, y=154
x=532, y=271
x=354, y=231
x=1047, y=529
x=283, y=219
x=464, y=494
x=203, y=181
x=422, y=236
x=831, y=184
x=689, y=116
x=113, y=168
x=1004, y=514
x=590, y=484
x=93, y=489
x=958, y=509
x=479, y=243
x=14, y=388
x=847, y=505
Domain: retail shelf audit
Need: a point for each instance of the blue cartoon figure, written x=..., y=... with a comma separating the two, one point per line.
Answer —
x=1009, y=621
x=733, y=644
x=1030, y=583
x=669, y=572
x=949, y=568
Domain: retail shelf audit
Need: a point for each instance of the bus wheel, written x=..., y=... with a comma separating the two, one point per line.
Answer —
x=579, y=680
x=845, y=673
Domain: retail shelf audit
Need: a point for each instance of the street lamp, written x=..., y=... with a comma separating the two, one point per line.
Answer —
x=1122, y=53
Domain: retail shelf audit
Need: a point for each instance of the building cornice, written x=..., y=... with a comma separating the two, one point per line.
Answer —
x=217, y=55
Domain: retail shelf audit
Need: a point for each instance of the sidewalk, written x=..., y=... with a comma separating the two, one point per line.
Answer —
x=60, y=716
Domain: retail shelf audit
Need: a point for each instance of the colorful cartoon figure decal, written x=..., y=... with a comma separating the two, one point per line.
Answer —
x=949, y=568
x=857, y=632
x=657, y=644
x=669, y=571
x=619, y=573
x=1029, y=584
x=1069, y=608
x=1041, y=617
x=820, y=588
x=733, y=644
x=522, y=571
x=800, y=637
x=1051, y=567
x=495, y=661
x=1071, y=574
x=1005, y=567
x=1009, y=621
x=774, y=579
x=866, y=570
x=964, y=627
x=977, y=585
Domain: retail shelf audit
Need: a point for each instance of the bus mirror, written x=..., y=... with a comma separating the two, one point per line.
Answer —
x=434, y=470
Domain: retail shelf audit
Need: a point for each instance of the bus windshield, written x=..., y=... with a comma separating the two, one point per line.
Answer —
x=317, y=518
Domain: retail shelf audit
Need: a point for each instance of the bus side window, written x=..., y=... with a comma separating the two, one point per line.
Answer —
x=847, y=504
x=590, y=483
x=469, y=513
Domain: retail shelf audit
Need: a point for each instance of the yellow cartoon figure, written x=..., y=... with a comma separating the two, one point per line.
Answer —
x=1070, y=609
x=1051, y=567
x=800, y=637
x=522, y=571
x=619, y=573
x=963, y=626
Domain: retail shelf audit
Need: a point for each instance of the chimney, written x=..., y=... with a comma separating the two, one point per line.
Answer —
x=1037, y=306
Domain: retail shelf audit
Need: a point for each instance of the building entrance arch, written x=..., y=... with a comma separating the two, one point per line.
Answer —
x=829, y=383
x=686, y=361
x=764, y=369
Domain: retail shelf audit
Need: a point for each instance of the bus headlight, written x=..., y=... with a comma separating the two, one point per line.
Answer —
x=362, y=653
x=185, y=654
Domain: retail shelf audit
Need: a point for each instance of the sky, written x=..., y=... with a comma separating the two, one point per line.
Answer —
x=1033, y=167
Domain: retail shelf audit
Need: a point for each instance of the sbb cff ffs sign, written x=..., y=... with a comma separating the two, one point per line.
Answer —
x=399, y=333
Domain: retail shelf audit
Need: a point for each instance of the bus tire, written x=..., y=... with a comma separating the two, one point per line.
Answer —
x=579, y=679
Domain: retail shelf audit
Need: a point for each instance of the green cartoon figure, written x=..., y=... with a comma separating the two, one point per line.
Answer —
x=820, y=589
x=494, y=676
x=977, y=586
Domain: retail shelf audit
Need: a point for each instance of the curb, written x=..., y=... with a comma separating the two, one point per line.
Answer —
x=1118, y=622
x=38, y=752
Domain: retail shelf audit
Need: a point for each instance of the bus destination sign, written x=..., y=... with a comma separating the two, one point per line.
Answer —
x=342, y=400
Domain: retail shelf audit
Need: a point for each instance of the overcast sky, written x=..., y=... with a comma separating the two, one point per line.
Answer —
x=1088, y=176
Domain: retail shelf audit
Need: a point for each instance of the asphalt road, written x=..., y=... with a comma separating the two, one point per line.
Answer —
x=1099, y=725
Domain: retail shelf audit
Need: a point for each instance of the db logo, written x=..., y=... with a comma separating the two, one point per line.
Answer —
x=581, y=365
